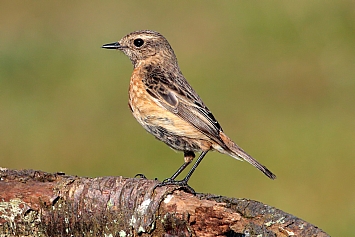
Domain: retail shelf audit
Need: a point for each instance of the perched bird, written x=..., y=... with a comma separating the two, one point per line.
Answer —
x=165, y=104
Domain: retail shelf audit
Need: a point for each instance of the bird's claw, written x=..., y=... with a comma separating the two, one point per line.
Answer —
x=140, y=176
x=181, y=183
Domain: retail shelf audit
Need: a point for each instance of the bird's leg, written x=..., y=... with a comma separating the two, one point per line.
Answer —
x=188, y=176
x=188, y=157
x=183, y=183
x=176, y=174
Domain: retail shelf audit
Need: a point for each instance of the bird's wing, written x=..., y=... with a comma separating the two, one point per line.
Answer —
x=178, y=97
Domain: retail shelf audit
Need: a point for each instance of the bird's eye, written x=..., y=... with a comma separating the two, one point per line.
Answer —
x=138, y=42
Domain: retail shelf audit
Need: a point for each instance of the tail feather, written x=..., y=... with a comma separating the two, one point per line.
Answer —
x=238, y=153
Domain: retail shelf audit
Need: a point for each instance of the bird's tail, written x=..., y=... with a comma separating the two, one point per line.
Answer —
x=238, y=153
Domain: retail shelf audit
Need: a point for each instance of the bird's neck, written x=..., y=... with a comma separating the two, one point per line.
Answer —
x=159, y=62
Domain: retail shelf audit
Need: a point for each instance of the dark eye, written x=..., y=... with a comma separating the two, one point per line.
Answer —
x=138, y=42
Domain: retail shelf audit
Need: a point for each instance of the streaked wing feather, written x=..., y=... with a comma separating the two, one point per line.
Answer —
x=181, y=99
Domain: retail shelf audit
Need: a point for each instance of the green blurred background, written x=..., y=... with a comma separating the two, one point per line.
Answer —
x=278, y=75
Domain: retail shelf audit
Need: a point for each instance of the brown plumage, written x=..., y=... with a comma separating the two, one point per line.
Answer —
x=165, y=104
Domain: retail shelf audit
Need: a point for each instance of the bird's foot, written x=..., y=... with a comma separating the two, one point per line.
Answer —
x=140, y=176
x=181, y=183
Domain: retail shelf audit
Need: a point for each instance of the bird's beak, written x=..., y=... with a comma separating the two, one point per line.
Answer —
x=114, y=45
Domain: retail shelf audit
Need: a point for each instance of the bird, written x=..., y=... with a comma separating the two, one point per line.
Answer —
x=164, y=103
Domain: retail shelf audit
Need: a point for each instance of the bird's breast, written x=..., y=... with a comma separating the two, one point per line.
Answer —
x=149, y=112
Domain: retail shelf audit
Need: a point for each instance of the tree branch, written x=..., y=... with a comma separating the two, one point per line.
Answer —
x=35, y=203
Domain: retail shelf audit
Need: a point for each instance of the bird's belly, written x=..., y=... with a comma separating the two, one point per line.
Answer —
x=163, y=124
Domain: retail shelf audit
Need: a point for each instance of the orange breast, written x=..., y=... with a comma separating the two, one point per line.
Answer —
x=148, y=111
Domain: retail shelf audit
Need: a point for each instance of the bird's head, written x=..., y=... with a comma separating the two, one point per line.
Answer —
x=144, y=45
